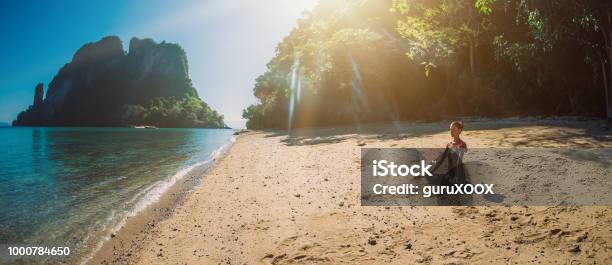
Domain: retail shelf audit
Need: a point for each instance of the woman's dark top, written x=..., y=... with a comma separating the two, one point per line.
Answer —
x=449, y=167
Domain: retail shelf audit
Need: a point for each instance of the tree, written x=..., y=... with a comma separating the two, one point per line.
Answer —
x=355, y=61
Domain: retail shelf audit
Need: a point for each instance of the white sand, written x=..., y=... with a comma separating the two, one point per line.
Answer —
x=276, y=199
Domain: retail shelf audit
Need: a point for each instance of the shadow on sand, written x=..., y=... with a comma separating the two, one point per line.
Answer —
x=582, y=134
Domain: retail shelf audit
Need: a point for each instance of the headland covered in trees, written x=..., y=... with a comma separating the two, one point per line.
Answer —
x=105, y=86
x=357, y=61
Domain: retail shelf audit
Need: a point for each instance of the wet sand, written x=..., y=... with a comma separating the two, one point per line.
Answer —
x=279, y=199
x=118, y=247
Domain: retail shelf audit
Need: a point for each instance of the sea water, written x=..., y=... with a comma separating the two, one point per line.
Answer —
x=61, y=186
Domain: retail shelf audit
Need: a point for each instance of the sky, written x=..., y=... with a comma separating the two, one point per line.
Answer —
x=228, y=42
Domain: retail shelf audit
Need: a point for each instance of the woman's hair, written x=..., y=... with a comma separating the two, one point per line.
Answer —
x=459, y=124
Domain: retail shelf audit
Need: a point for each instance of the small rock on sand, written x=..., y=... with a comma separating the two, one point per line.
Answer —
x=408, y=245
x=574, y=248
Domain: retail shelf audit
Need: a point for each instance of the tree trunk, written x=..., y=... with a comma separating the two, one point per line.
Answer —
x=472, y=58
x=604, y=77
x=608, y=86
x=607, y=36
x=455, y=91
x=474, y=78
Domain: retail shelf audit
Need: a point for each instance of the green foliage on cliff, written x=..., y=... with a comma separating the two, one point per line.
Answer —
x=359, y=61
x=173, y=112
x=105, y=86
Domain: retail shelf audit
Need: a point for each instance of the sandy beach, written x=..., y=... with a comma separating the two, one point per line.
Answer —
x=276, y=198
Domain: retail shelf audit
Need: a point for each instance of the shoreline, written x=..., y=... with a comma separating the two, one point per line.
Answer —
x=126, y=239
x=279, y=199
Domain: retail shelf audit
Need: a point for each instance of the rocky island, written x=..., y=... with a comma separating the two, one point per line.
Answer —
x=104, y=85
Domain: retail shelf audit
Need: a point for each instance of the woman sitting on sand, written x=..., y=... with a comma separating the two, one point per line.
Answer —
x=449, y=167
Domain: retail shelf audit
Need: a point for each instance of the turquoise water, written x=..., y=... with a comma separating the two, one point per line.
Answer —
x=66, y=186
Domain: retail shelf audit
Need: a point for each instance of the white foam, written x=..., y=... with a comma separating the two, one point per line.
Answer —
x=153, y=193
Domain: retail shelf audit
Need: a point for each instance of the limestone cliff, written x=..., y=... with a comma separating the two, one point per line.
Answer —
x=105, y=86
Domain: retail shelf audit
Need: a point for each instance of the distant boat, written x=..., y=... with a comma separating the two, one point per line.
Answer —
x=144, y=127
